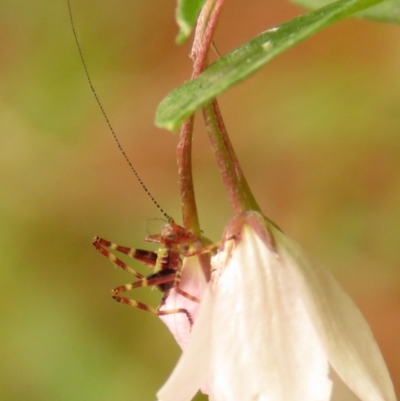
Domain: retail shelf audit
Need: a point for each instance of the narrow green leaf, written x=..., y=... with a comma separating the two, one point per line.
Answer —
x=247, y=59
x=388, y=11
x=186, y=16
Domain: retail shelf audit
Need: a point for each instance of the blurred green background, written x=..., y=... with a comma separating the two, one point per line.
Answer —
x=317, y=131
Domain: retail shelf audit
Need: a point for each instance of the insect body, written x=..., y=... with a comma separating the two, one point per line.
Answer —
x=166, y=264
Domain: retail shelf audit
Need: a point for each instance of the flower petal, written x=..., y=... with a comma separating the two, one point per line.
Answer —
x=273, y=327
x=194, y=283
x=192, y=369
x=263, y=344
x=346, y=337
x=340, y=390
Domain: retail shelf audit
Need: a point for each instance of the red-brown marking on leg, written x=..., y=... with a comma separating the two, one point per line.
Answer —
x=182, y=292
x=142, y=306
x=97, y=243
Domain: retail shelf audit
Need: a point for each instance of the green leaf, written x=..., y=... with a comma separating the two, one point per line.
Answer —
x=247, y=59
x=186, y=16
x=388, y=11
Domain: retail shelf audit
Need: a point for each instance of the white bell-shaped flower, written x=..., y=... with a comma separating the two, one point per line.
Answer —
x=273, y=326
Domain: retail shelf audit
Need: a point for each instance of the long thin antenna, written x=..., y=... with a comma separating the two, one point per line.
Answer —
x=166, y=215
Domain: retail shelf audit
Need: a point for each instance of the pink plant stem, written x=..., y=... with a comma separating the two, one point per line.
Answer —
x=206, y=25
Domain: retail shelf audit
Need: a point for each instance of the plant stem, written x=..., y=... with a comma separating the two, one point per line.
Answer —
x=239, y=193
x=201, y=44
x=184, y=157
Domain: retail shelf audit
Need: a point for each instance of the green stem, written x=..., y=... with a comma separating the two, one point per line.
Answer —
x=239, y=193
x=184, y=156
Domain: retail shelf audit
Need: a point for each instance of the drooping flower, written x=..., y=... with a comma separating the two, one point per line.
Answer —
x=273, y=326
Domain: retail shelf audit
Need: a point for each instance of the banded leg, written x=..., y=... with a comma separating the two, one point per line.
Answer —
x=185, y=294
x=205, y=249
x=148, y=258
x=161, y=278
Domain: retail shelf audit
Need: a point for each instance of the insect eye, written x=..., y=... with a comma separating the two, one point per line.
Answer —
x=171, y=237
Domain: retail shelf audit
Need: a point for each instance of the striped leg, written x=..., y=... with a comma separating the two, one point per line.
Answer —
x=160, y=278
x=185, y=294
x=148, y=258
x=140, y=305
x=211, y=248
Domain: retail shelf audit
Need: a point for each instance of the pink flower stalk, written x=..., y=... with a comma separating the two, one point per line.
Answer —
x=274, y=326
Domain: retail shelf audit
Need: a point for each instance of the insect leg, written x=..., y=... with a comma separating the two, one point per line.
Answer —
x=148, y=258
x=157, y=279
x=185, y=294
